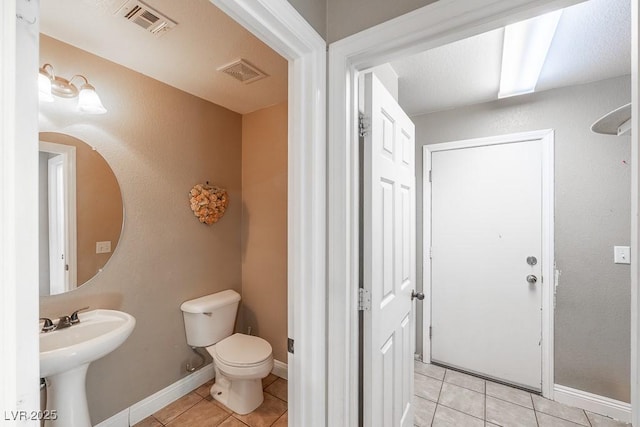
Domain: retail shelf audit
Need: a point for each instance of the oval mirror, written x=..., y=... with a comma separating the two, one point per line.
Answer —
x=80, y=213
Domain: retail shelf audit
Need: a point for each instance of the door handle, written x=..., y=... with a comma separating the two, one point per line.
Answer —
x=418, y=295
x=532, y=279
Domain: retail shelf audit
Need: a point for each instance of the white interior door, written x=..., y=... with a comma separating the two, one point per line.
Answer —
x=486, y=224
x=58, y=247
x=388, y=259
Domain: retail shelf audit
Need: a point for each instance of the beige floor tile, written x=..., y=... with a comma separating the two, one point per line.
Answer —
x=270, y=410
x=232, y=422
x=283, y=421
x=203, y=414
x=278, y=389
x=148, y=422
x=426, y=387
x=205, y=389
x=464, y=380
x=508, y=414
x=602, y=421
x=463, y=400
x=429, y=370
x=423, y=411
x=545, y=420
x=173, y=410
x=266, y=381
x=510, y=394
x=559, y=410
x=446, y=417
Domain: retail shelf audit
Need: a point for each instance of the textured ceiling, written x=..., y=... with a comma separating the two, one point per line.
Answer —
x=186, y=57
x=592, y=42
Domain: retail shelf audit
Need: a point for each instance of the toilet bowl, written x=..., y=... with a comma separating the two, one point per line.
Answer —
x=240, y=361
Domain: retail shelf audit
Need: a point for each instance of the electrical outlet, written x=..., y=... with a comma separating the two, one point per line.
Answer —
x=622, y=254
x=103, y=247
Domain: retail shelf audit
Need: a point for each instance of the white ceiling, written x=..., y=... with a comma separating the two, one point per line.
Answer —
x=592, y=42
x=186, y=57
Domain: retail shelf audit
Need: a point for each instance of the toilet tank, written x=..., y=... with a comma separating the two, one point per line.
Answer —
x=210, y=318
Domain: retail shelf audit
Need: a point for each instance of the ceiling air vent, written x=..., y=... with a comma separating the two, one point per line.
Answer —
x=149, y=19
x=243, y=71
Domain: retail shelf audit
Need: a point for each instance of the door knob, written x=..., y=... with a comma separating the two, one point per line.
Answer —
x=532, y=279
x=418, y=295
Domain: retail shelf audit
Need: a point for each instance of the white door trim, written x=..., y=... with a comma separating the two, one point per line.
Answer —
x=19, y=361
x=635, y=212
x=282, y=28
x=439, y=23
x=68, y=153
x=548, y=273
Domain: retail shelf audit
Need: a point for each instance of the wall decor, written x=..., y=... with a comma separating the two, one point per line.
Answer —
x=208, y=202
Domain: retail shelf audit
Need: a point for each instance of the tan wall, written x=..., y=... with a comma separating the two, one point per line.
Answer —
x=264, y=226
x=159, y=142
x=347, y=17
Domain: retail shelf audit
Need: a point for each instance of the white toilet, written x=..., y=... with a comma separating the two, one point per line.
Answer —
x=240, y=361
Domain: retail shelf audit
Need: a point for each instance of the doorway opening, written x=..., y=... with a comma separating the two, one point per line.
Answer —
x=353, y=56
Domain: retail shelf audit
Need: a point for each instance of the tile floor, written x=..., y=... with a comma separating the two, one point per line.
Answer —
x=199, y=409
x=444, y=398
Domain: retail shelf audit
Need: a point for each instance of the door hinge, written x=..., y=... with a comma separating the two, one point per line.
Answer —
x=363, y=130
x=364, y=300
x=430, y=178
x=430, y=332
x=430, y=253
x=290, y=345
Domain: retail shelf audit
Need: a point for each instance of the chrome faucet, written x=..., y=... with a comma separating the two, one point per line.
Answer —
x=63, y=321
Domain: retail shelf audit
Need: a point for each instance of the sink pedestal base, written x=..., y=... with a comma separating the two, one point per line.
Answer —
x=66, y=394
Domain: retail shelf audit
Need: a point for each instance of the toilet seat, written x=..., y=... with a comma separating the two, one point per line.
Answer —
x=240, y=350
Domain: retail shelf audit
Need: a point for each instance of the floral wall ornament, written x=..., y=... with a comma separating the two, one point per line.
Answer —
x=208, y=202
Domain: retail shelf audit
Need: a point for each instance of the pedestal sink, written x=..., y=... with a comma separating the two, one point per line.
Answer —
x=65, y=356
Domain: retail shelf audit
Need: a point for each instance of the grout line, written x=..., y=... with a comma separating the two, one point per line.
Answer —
x=535, y=414
x=457, y=410
x=587, y=417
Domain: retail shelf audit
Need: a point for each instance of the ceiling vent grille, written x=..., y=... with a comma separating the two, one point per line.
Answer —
x=243, y=71
x=144, y=16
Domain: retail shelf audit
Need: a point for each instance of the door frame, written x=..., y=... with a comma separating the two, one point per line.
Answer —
x=68, y=154
x=548, y=280
x=433, y=25
x=283, y=29
x=280, y=26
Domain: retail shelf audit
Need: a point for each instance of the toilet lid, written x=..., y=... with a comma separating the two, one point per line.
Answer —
x=241, y=349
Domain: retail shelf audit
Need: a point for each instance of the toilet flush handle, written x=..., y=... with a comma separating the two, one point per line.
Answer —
x=207, y=313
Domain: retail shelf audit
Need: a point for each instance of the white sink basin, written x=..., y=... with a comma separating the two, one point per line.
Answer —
x=65, y=356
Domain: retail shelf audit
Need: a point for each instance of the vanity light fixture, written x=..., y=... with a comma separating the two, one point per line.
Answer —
x=49, y=84
x=525, y=49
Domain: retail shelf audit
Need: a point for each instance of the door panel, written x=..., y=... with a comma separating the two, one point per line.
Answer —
x=486, y=220
x=388, y=260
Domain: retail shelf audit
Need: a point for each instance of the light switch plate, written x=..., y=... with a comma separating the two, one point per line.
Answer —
x=622, y=254
x=103, y=247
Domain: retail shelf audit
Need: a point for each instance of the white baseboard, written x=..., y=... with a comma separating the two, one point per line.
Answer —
x=141, y=410
x=280, y=369
x=593, y=403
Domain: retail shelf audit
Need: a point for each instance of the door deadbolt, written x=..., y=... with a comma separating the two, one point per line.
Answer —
x=531, y=260
x=532, y=279
x=418, y=295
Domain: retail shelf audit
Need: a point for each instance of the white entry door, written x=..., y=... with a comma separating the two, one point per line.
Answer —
x=388, y=259
x=486, y=260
